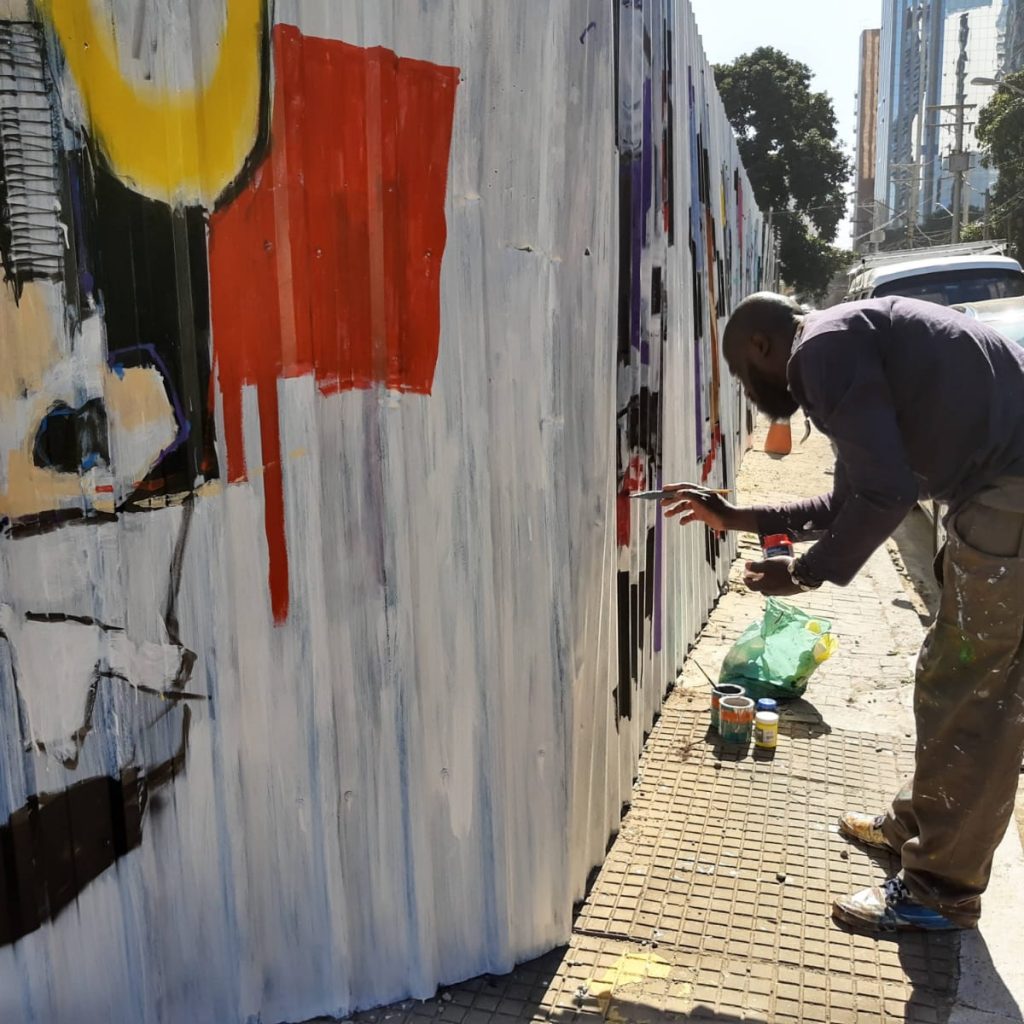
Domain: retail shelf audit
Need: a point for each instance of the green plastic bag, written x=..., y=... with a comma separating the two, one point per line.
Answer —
x=776, y=656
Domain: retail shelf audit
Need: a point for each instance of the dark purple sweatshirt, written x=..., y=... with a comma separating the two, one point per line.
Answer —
x=921, y=402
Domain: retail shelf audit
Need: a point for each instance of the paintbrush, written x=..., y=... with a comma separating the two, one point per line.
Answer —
x=662, y=495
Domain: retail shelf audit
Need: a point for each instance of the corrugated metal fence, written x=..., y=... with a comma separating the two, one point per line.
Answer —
x=335, y=337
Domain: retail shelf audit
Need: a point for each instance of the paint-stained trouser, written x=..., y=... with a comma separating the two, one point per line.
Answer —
x=969, y=706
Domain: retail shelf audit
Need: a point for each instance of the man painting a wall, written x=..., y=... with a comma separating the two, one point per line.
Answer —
x=919, y=401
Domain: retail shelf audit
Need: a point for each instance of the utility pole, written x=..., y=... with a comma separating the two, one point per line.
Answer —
x=914, y=204
x=917, y=166
x=958, y=159
x=987, y=233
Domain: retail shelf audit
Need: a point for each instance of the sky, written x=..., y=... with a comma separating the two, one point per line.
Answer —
x=824, y=34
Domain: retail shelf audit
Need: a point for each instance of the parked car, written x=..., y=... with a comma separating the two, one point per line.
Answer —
x=1007, y=317
x=1004, y=315
x=945, y=280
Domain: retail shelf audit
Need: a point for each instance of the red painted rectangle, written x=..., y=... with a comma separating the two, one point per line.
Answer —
x=328, y=260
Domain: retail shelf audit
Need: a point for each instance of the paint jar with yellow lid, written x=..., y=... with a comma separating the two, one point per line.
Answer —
x=766, y=730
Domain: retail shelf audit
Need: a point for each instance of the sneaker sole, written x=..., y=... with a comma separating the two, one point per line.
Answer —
x=866, y=927
x=853, y=837
x=859, y=924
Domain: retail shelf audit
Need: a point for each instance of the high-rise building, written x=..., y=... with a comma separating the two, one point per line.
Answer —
x=867, y=134
x=921, y=48
x=1013, y=33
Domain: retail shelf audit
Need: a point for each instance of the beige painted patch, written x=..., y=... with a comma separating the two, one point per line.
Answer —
x=31, y=490
x=28, y=339
x=141, y=424
x=136, y=400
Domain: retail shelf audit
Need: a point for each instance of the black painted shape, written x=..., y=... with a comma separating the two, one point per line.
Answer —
x=51, y=521
x=56, y=844
x=635, y=608
x=11, y=275
x=698, y=293
x=84, y=620
x=625, y=286
x=712, y=547
x=78, y=212
x=641, y=422
x=23, y=43
x=170, y=614
x=73, y=440
x=646, y=585
x=657, y=291
x=151, y=276
x=722, y=284
x=623, y=693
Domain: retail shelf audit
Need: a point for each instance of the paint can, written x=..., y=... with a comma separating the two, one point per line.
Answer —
x=767, y=704
x=717, y=693
x=777, y=545
x=737, y=720
x=766, y=730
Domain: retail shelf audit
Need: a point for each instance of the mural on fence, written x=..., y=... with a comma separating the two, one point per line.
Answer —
x=646, y=227
x=106, y=410
x=725, y=256
x=109, y=408
x=335, y=339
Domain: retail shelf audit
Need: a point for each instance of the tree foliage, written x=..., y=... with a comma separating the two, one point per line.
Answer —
x=1001, y=134
x=789, y=143
x=808, y=262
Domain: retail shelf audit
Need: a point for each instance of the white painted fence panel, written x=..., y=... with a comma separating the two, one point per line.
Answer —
x=336, y=336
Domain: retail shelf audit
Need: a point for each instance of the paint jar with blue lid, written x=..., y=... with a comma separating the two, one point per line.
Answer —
x=767, y=704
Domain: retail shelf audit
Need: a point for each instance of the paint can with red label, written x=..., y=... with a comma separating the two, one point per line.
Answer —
x=717, y=693
x=777, y=545
x=737, y=721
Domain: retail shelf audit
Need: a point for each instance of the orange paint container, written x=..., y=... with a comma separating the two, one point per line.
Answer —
x=717, y=693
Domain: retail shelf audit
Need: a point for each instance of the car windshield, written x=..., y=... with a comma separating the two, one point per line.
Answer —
x=948, y=287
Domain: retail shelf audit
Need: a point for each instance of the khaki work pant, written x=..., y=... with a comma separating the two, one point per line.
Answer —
x=969, y=707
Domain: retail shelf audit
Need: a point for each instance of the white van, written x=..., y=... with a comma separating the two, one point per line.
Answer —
x=945, y=280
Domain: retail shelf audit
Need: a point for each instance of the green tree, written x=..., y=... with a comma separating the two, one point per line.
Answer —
x=1001, y=134
x=789, y=143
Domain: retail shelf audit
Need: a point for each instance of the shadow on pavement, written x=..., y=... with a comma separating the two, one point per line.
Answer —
x=637, y=1012
x=981, y=985
x=929, y=962
x=800, y=719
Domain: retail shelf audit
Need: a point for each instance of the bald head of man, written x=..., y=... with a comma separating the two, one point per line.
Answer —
x=757, y=344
